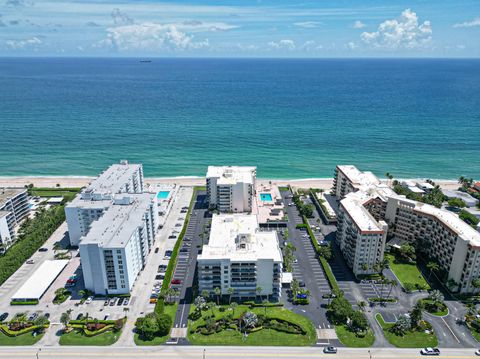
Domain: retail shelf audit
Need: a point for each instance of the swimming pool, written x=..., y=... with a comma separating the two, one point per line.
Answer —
x=163, y=194
x=265, y=197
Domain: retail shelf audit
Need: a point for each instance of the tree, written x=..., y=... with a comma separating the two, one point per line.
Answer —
x=65, y=319
x=218, y=293
x=200, y=303
x=230, y=292
x=41, y=321
x=436, y=297
x=476, y=283
x=457, y=203
x=265, y=305
x=205, y=294
x=381, y=266
x=164, y=324
x=234, y=306
x=402, y=325
x=407, y=253
x=362, y=305
x=416, y=314
x=358, y=321
x=325, y=252
x=294, y=285
x=432, y=267
x=211, y=305
x=249, y=320
x=61, y=292
x=340, y=310
x=148, y=327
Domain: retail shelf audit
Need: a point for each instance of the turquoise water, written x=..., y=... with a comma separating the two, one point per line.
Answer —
x=163, y=194
x=291, y=118
x=265, y=197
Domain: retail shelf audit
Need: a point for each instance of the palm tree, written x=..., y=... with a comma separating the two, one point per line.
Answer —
x=265, y=305
x=362, y=305
x=65, y=319
x=393, y=283
x=211, y=305
x=205, y=294
x=433, y=267
x=234, y=306
x=199, y=303
x=259, y=291
x=436, y=297
x=249, y=320
x=294, y=286
x=230, y=292
x=218, y=293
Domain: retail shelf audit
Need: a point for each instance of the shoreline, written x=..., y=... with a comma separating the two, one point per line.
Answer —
x=81, y=181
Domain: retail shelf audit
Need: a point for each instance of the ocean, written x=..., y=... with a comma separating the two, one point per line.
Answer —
x=293, y=118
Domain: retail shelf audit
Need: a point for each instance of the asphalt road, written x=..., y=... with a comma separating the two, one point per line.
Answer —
x=176, y=352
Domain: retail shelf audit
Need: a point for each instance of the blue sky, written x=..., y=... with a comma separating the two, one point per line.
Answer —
x=241, y=28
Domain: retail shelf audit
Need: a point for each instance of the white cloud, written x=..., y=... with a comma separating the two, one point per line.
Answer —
x=282, y=44
x=307, y=24
x=151, y=37
x=358, y=25
x=404, y=32
x=473, y=23
x=31, y=43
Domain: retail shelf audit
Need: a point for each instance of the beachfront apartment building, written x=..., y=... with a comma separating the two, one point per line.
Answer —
x=240, y=256
x=441, y=235
x=115, y=249
x=14, y=208
x=92, y=202
x=348, y=178
x=360, y=236
x=231, y=188
x=370, y=209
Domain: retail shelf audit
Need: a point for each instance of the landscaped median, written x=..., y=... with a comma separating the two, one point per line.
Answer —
x=92, y=332
x=19, y=331
x=249, y=325
x=407, y=336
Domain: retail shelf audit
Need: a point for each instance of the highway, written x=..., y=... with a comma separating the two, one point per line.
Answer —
x=178, y=352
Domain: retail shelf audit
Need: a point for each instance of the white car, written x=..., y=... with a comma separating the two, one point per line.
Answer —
x=477, y=352
x=89, y=300
x=430, y=351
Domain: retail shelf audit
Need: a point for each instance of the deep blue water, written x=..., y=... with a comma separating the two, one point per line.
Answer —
x=291, y=118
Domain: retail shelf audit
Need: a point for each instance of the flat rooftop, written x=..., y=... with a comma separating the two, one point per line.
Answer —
x=237, y=237
x=358, y=177
x=7, y=193
x=353, y=205
x=113, y=178
x=116, y=226
x=232, y=174
x=38, y=283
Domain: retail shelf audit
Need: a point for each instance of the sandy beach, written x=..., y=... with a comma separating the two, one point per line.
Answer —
x=322, y=183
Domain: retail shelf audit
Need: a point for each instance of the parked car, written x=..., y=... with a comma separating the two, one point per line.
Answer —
x=161, y=275
x=32, y=317
x=47, y=315
x=112, y=301
x=301, y=296
x=168, y=253
x=106, y=316
x=477, y=352
x=43, y=249
x=176, y=281
x=30, y=261
x=172, y=236
x=158, y=277
x=183, y=250
x=330, y=350
x=157, y=249
x=3, y=317
x=120, y=301
x=89, y=300
x=153, y=300
x=162, y=268
x=430, y=351
x=106, y=302
x=178, y=225
x=301, y=284
x=126, y=300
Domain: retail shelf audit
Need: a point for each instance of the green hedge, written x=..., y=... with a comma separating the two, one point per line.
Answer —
x=252, y=304
x=28, y=302
x=15, y=333
x=83, y=321
x=160, y=305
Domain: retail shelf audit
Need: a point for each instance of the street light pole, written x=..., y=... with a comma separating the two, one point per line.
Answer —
x=204, y=350
x=370, y=353
x=38, y=351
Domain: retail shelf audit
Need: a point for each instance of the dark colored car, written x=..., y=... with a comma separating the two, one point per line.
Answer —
x=157, y=249
x=3, y=317
x=301, y=284
x=168, y=253
x=158, y=277
x=120, y=301
x=162, y=268
x=330, y=350
x=43, y=249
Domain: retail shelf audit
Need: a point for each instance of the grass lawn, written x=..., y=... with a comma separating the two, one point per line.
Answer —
x=53, y=192
x=349, y=338
x=77, y=338
x=475, y=334
x=261, y=337
x=407, y=273
x=171, y=310
x=24, y=339
x=440, y=313
x=415, y=339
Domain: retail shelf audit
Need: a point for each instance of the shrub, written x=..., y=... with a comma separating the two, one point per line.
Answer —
x=164, y=324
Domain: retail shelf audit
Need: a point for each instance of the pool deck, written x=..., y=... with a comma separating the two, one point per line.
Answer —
x=263, y=208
